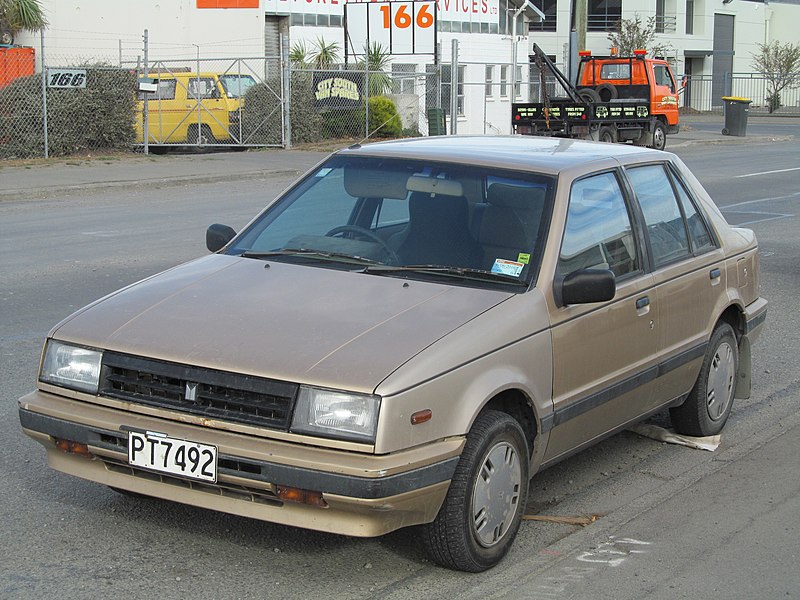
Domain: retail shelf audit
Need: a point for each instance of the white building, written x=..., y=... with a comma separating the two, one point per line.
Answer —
x=708, y=37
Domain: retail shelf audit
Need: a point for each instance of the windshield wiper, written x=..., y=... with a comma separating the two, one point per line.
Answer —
x=313, y=254
x=438, y=270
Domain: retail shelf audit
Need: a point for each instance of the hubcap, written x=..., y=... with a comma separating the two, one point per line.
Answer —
x=719, y=391
x=658, y=138
x=495, y=496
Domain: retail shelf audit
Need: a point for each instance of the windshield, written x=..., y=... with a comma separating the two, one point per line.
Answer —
x=236, y=86
x=413, y=219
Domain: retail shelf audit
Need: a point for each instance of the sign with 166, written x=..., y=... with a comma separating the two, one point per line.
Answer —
x=66, y=78
x=399, y=27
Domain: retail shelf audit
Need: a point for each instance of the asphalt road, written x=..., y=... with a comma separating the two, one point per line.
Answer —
x=673, y=522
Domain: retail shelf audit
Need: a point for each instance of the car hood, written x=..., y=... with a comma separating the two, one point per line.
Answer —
x=296, y=323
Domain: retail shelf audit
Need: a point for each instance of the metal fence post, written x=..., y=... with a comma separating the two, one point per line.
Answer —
x=44, y=101
x=286, y=92
x=366, y=95
x=146, y=111
x=454, y=88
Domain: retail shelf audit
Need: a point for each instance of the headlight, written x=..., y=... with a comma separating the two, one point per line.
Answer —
x=332, y=414
x=71, y=366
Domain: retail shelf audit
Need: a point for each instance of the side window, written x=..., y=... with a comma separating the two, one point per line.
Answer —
x=204, y=87
x=698, y=230
x=391, y=211
x=662, y=216
x=663, y=77
x=598, y=234
x=165, y=91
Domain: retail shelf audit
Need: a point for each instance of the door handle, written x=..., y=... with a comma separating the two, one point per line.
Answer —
x=715, y=273
x=642, y=302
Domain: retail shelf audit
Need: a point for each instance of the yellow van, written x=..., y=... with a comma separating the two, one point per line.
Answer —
x=193, y=108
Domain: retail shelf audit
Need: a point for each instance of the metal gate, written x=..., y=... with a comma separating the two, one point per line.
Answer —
x=212, y=102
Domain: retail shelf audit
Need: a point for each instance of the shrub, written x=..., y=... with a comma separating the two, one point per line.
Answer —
x=97, y=117
x=384, y=121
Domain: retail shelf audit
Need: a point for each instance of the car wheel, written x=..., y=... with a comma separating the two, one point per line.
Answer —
x=204, y=138
x=708, y=405
x=659, y=136
x=483, y=509
x=607, y=92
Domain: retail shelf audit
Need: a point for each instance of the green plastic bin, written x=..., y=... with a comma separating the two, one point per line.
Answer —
x=736, y=111
x=436, y=122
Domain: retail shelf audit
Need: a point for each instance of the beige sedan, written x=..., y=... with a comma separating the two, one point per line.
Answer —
x=407, y=335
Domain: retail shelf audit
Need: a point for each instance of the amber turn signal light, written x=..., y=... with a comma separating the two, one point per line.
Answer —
x=290, y=494
x=70, y=447
x=421, y=416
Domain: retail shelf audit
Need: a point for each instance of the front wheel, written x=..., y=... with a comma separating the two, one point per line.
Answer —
x=708, y=405
x=659, y=136
x=483, y=509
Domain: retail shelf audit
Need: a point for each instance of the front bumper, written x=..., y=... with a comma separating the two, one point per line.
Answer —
x=364, y=495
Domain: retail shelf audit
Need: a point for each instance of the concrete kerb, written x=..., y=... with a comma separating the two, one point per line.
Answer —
x=48, y=183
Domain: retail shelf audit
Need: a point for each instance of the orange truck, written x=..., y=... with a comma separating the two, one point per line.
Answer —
x=617, y=99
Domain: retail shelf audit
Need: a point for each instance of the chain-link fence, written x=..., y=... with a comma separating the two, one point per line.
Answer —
x=97, y=105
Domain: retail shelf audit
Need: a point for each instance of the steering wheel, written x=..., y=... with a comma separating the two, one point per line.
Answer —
x=366, y=233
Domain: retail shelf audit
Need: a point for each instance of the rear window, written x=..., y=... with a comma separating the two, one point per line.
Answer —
x=615, y=71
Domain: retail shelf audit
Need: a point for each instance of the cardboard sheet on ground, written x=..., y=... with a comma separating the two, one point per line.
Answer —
x=655, y=432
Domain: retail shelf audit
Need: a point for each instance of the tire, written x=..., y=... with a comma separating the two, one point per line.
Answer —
x=706, y=409
x=659, y=136
x=607, y=135
x=205, y=137
x=588, y=95
x=607, y=92
x=481, y=515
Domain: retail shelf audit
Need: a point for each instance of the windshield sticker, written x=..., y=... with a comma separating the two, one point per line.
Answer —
x=507, y=267
x=524, y=258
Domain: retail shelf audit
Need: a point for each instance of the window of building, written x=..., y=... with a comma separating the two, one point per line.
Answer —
x=689, y=17
x=549, y=8
x=489, y=91
x=503, y=81
x=517, y=81
x=440, y=97
x=604, y=15
x=403, y=78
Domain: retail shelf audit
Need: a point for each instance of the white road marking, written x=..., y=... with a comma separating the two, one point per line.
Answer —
x=768, y=172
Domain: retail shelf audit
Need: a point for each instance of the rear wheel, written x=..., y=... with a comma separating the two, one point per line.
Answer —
x=483, y=509
x=708, y=405
x=607, y=134
x=204, y=137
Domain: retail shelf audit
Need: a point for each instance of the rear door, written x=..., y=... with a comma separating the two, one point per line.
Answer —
x=604, y=354
x=688, y=271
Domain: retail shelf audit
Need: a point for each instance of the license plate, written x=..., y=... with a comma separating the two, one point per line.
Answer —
x=157, y=452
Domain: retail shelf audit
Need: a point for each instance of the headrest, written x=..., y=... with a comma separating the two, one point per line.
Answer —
x=514, y=196
x=375, y=183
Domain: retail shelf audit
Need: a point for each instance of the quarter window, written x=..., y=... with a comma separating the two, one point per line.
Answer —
x=598, y=234
x=662, y=215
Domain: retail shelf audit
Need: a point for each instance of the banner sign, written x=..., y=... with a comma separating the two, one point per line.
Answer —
x=466, y=11
x=338, y=89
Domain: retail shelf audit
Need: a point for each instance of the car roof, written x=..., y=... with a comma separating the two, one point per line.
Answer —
x=544, y=154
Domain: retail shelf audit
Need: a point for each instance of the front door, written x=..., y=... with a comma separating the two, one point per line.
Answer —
x=604, y=354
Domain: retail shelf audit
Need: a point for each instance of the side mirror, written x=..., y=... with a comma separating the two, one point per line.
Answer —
x=588, y=286
x=218, y=236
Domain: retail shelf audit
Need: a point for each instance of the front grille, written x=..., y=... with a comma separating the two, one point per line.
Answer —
x=206, y=392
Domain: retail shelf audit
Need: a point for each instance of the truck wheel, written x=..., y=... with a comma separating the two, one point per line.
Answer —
x=607, y=92
x=483, y=509
x=659, y=136
x=607, y=135
x=588, y=95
